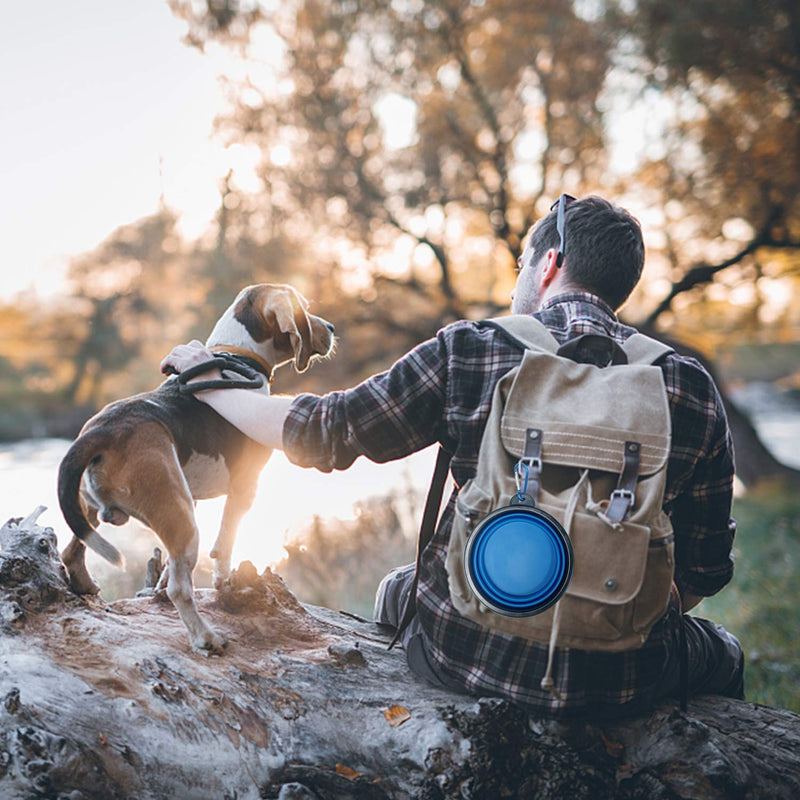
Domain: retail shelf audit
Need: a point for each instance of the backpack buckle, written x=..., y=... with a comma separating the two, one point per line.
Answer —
x=622, y=497
x=531, y=463
x=619, y=505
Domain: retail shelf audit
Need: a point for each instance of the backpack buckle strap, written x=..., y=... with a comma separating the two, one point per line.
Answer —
x=622, y=498
x=532, y=459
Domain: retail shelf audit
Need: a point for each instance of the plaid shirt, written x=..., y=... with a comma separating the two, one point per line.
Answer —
x=441, y=392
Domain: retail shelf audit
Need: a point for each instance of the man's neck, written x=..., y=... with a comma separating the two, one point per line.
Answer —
x=557, y=288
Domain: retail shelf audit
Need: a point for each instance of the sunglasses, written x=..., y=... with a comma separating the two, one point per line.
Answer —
x=561, y=203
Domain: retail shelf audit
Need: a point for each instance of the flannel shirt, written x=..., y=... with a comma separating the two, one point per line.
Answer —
x=441, y=392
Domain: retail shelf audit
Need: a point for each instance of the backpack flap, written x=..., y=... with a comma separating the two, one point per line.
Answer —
x=587, y=414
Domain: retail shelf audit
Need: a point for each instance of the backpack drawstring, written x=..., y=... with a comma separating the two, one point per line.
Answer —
x=599, y=508
x=547, y=682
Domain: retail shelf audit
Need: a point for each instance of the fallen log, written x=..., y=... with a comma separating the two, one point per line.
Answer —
x=108, y=701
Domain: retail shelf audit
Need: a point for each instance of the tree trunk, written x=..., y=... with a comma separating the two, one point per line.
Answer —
x=755, y=464
x=108, y=701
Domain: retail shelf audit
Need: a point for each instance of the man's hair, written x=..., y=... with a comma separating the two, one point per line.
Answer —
x=604, y=250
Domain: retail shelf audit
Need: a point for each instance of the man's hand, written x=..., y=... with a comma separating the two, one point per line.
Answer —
x=189, y=355
x=257, y=415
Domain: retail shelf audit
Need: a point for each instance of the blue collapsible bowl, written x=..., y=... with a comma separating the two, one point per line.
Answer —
x=518, y=560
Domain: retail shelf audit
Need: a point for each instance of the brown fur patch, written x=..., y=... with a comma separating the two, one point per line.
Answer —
x=248, y=311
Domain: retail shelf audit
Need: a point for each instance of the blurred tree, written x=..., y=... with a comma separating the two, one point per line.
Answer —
x=130, y=299
x=418, y=138
x=243, y=250
x=728, y=174
x=409, y=146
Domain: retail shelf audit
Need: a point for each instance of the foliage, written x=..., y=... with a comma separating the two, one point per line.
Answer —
x=760, y=605
x=339, y=564
x=507, y=103
x=726, y=167
x=405, y=148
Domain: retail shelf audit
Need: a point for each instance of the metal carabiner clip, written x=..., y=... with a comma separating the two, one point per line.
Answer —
x=521, y=474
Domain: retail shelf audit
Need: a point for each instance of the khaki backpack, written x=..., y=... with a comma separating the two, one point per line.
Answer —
x=596, y=441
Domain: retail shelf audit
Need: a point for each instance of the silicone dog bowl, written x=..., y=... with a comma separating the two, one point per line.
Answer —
x=518, y=560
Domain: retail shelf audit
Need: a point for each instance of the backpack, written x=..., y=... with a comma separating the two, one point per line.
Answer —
x=596, y=443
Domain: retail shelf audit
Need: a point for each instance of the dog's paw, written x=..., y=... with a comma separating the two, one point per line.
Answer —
x=210, y=643
x=83, y=583
x=222, y=572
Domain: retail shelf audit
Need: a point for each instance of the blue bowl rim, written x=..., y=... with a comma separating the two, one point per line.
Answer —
x=561, y=535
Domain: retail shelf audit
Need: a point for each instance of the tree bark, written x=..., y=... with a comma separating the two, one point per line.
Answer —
x=108, y=701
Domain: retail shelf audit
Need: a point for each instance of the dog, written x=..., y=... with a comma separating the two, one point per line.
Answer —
x=152, y=455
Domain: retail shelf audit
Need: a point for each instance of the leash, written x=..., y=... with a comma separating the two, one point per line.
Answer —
x=248, y=356
x=251, y=378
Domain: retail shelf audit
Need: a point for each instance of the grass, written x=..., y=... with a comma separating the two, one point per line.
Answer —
x=761, y=606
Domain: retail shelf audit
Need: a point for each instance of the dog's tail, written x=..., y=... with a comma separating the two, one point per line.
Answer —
x=86, y=449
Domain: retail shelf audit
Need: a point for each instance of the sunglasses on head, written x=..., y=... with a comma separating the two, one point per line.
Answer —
x=561, y=203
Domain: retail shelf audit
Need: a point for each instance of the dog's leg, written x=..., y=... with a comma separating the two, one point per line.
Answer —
x=176, y=527
x=80, y=581
x=164, y=503
x=238, y=502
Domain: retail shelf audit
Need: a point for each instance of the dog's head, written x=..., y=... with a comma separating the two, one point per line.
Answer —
x=273, y=321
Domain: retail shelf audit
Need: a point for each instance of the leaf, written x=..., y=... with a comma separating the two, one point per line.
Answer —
x=396, y=715
x=346, y=772
x=613, y=747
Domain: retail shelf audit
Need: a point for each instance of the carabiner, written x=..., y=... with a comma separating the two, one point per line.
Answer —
x=521, y=479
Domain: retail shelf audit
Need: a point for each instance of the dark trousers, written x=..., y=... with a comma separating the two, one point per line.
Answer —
x=715, y=661
x=714, y=657
x=390, y=602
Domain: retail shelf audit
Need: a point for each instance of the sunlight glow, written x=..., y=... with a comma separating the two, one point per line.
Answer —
x=280, y=155
x=288, y=498
x=398, y=118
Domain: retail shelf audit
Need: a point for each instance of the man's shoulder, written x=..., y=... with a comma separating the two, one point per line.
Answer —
x=483, y=331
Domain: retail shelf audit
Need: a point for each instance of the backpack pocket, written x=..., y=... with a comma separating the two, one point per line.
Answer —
x=472, y=505
x=598, y=607
x=653, y=599
x=606, y=605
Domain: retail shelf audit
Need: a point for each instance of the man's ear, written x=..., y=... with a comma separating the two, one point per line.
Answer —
x=549, y=267
x=292, y=320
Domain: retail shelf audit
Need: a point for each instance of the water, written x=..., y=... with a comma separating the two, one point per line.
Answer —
x=776, y=417
x=288, y=499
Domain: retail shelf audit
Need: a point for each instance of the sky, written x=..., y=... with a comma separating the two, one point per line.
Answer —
x=103, y=108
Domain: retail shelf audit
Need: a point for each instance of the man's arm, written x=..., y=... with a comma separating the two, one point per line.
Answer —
x=702, y=446
x=261, y=417
x=689, y=601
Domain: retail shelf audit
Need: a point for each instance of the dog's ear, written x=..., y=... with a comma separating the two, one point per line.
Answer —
x=291, y=319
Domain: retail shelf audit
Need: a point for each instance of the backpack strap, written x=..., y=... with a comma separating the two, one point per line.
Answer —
x=426, y=531
x=641, y=349
x=523, y=330
x=529, y=333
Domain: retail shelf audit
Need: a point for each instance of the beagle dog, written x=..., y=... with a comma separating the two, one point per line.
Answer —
x=152, y=455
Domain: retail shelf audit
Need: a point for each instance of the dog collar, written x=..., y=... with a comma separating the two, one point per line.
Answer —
x=262, y=364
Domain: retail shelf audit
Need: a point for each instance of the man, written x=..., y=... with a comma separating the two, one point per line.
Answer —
x=580, y=265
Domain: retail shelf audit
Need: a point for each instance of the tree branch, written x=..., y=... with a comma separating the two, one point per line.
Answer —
x=704, y=273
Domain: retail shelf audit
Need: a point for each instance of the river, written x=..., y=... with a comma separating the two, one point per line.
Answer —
x=288, y=499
